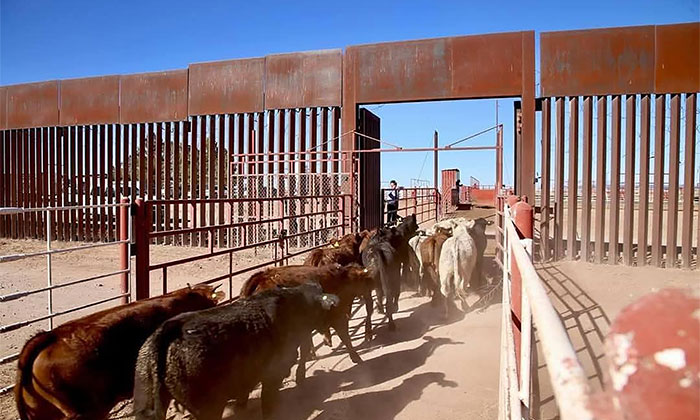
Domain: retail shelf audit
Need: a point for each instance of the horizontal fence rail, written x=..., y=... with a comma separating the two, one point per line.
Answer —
x=282, y=227
x=423, y=202
x=47, y=215
x=567, y=377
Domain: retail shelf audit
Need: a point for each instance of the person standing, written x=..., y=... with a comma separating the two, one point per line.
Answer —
x=392, y=203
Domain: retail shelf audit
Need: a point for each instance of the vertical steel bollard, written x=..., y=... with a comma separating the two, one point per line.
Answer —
x=143, y=230
x=124, y=248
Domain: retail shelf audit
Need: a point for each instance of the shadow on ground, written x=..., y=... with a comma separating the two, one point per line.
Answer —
x=311, y=398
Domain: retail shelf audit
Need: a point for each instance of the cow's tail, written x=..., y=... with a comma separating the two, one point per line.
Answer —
x=25, y=365
x=151, y=398
x=249, y=287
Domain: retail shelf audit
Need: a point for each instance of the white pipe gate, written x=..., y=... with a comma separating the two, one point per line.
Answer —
x=568, y=379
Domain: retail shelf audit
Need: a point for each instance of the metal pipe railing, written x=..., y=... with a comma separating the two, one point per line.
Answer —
x=123, y=272
x=568, y=379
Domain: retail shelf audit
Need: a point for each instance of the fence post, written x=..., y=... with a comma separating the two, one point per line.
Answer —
x=522, y=218
x=143, y=230
x=124, y=247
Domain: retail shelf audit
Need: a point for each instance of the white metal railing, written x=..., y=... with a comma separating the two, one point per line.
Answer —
x=567, y=377
x=125, y=270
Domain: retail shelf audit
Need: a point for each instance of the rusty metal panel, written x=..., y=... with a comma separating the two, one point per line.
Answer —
x=3, y=108
x=643, y=213
x=32, y=105
x=371, y=200
x=153, y=97
x=442, y=68
x=226, y=87
x=526, y=166
x=572, y=181
x=91, y=100
x=677, y=58
x=305, y=79
x=597, y=61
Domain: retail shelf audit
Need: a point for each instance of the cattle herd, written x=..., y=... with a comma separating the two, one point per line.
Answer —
x=185, y=347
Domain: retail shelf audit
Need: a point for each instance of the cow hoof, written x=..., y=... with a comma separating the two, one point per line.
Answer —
x=356, y=358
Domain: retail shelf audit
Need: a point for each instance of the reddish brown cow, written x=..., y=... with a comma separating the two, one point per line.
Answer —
x=83, y=368
x=343, y=251
x=366, y=236
x=346, y=282
x=430, y=250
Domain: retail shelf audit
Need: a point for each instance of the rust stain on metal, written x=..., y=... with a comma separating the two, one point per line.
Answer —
x=677, y=58
x=3, y=107
x=597, y=61
x=158, y=96
x=442, y=68
x=32, y=105
x=224, y=87
x=92, y=100
x=306, y=79
x=655, y=356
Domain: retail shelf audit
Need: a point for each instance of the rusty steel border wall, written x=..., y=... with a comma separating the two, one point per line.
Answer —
x=642, y=80
x=70, y=120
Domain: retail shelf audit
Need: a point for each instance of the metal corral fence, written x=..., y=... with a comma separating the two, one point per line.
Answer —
x=423, y=202
x=47, y=216
x=526, y=300
x=275, y=229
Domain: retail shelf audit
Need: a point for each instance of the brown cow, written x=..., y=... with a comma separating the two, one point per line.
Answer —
x=346, y=282
x=430, y=250
x=83, y=368
x=343, y=251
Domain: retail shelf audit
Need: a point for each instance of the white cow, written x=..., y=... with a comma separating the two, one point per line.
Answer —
x=457, y=262
x=414, y=243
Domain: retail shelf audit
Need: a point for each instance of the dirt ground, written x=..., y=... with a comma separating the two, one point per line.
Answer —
x=428, y=368
x=588, y=297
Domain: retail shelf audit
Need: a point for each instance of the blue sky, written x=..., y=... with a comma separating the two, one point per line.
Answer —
x=53, y=39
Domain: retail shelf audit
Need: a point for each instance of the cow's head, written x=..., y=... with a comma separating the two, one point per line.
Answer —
x=207, y=291
x=447, y=231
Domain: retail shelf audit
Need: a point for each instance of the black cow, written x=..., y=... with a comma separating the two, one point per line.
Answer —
x=387, y=257
x=203, y=359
